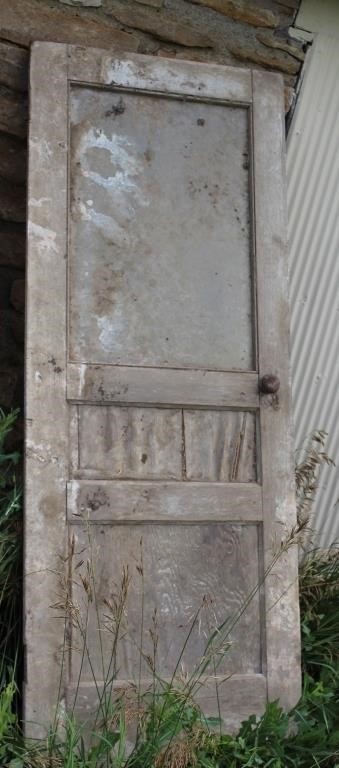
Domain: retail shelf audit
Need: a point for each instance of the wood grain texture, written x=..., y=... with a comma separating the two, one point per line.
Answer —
x=282, y=603
x=46, y=407
x=158, y=443
x=131, y=442
x=176, y=585
x=121, y=384
x=220, y=446
x=127, y=501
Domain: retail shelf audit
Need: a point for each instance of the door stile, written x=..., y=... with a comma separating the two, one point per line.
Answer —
x=46, y=461
x=279, y=510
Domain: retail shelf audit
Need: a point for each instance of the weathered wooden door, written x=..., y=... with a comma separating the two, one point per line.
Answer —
x=156, y=305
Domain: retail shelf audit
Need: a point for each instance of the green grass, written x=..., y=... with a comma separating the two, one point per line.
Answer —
x=170, y=731
x=10, y=555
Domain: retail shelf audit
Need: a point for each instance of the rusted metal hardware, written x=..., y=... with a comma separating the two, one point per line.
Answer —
x=269, y=384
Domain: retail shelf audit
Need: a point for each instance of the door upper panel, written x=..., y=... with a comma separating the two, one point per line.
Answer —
x=160, y=245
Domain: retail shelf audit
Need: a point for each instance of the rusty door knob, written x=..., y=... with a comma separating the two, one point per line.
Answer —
x=269, y=384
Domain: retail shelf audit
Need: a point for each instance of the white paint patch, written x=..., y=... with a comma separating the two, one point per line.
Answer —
x=37, y=377
x=110, y=228
x=119, y=181
x=171, y=77
x=84, y=213
x=41, y=453
x=39, y=203
x=122, y=158
x=82, y=379
x=123, y=192
x=122, y=73
x=110, y=330
x=42, y=148
x=44, y=238
x=106, y=225
x=73, y=489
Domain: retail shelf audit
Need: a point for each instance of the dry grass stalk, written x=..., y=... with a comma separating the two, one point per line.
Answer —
x=310, y=458
x=180, y=755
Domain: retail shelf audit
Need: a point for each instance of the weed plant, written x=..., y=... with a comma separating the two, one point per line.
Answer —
x=10, y=554
x=10, y=587
x=162, y=726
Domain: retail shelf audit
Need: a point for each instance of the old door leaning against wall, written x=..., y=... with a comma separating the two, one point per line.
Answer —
x=156, y=305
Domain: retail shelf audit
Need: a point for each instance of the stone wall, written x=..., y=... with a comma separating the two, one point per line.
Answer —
x=236, y=32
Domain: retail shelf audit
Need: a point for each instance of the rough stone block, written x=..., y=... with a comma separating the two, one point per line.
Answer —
x=12, y=245
x=153, y=3
x=10, y=332
x=23, y=21
x=280, y=44
x=163, y=26
x=13, y=112
x=14, y=64
x=18, y=328
x=241, y=10
x=294, y=4
x=18, y=295
x=289, y=94
x=7, y=277
x=13, y=159
x=86, y=3
x=12, y=202
x=250, y=51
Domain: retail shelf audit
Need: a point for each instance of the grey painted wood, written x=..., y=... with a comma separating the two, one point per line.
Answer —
x=175, y=584
x=154, y=74
x=46, y=442
x=144, y=284
x=166, y=443
x=110, y=501
x=246, y=692
x=199, y=538
x=282, y=604
x=120, y=384
x=220, y=445
x=131, y=442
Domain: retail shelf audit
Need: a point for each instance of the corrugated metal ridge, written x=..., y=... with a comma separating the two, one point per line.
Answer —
x=313, y=208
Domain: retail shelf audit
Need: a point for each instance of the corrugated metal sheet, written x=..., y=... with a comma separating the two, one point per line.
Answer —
x=313, y=204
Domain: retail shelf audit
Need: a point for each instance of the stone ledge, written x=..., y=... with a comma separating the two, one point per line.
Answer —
x=280, y=44
x=266, y=58
x=241, y=10
x=162, y=26
x=23, y=21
